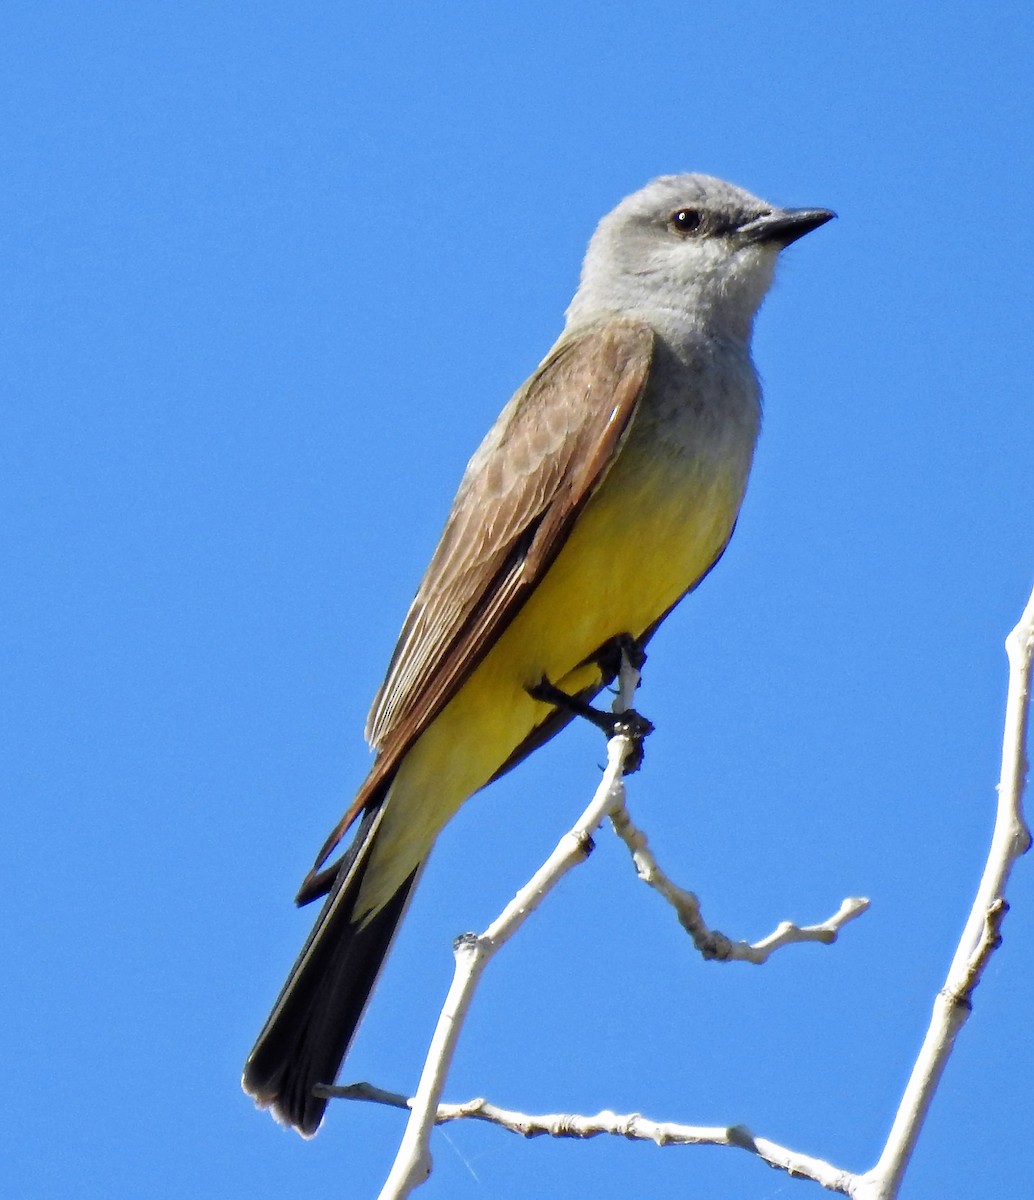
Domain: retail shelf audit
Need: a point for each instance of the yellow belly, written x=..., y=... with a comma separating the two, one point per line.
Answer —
x=642, y=541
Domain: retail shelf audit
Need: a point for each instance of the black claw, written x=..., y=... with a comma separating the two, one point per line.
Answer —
x=634, y=759
x=632, y=724
x=631, y=649
x=636, y=727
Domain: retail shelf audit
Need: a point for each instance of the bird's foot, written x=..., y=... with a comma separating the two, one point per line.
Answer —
x=629, y=723
x=621, y=649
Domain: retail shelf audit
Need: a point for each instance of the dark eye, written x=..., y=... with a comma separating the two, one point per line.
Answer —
x=686, y=220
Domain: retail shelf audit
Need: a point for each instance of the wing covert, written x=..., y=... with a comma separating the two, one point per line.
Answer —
x=540, y=462
x=549, y=450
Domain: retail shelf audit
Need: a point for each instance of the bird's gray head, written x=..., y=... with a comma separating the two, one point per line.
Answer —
x=687, y=250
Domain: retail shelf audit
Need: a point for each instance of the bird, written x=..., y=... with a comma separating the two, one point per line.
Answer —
x=606, y=490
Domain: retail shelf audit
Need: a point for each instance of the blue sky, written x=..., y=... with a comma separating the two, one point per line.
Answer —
x=269, y=272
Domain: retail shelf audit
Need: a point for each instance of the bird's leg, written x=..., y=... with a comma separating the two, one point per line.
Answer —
x=611, y=654
x=629, y=723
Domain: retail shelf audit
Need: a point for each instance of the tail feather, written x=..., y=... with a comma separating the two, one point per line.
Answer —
x=322, y=1002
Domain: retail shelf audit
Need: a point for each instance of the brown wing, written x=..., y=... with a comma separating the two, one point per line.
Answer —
x=541, y=461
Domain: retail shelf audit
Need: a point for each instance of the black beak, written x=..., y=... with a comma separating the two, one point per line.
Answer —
x=784, y=225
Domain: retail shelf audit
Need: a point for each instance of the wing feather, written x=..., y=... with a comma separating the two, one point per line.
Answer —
x=545, y=456
x=539, y=463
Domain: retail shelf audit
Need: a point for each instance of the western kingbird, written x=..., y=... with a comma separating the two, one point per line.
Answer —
x=605, y=491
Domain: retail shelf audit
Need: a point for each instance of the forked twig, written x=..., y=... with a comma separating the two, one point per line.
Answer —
x=980, y=938
x=711, y=943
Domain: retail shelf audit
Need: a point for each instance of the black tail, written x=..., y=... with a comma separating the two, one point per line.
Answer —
x=322, y=1002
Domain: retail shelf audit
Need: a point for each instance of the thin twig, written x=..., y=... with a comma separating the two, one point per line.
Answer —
x=632, y=1126
x=981, y=936
x=711, y=943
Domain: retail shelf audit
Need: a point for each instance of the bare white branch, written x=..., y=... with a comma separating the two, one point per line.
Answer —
x=631, y=1126
x=951, y=1009
x=472, y=953
x=711, y=943
x=952, y=1005
x=628, y=682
